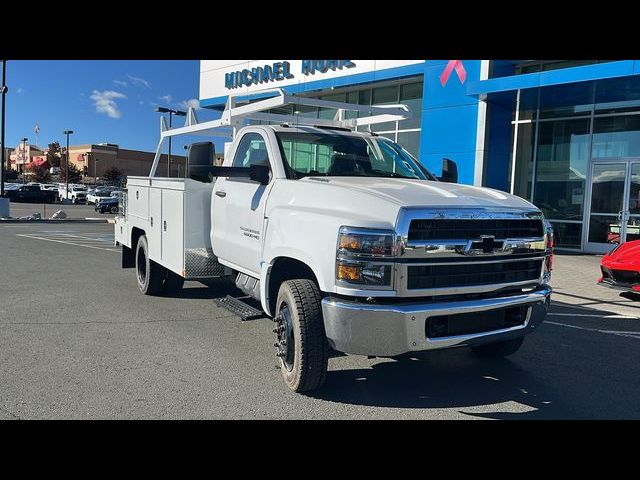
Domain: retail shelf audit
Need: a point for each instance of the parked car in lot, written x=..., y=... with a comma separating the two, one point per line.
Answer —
x=94, y=195
x=76, y=193
x=621, y=267
x=107, y=205
x=49, y=187
x=30, y=193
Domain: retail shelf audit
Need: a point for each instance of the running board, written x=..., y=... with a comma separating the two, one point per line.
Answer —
x=240, y=308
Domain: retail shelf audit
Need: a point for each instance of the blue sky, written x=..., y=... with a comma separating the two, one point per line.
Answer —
x=110, y=101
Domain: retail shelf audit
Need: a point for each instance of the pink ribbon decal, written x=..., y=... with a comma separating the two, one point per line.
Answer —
x=459, y=68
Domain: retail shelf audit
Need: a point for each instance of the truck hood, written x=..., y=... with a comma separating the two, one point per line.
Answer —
x=421, y=193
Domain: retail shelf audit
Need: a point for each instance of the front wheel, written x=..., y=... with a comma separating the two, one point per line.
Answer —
x=498, y=349
x=301, y=339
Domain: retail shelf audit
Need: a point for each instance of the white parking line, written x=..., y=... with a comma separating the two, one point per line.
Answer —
x=619, y=333
x=68, y=242
x=594, y=315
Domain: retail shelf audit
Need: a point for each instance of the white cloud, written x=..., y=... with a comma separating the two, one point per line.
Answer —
x=104, y=102
x=122, y=83
x=141, y=82
x=20, y=91
x=166, y=98
x=192, y=102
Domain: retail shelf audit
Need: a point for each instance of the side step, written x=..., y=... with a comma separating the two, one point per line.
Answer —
x=240, y=308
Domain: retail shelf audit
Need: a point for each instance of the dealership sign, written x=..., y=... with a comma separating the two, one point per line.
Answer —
x=281, y=71
x=218, y=78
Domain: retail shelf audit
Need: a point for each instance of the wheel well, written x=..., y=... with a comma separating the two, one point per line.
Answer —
x=136, y=233
x=283, y=269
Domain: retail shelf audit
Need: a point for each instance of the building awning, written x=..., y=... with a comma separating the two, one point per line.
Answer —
x=621, y=68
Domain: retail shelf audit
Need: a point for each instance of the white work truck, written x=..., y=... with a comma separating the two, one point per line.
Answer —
x=345, y=239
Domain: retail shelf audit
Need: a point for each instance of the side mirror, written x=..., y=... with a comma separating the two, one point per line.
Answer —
x=200, y=160
x=255, y=173
x=449, y=171
x=259, y=173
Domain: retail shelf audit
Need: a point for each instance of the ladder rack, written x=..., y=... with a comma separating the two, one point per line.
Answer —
x=234, y=115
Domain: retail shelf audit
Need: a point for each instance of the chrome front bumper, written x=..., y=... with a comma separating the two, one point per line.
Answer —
x=389, y=330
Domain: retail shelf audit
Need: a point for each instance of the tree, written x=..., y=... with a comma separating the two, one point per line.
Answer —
x=75, y=175
x=41, y=174
x=112, y=174
x=54, y=153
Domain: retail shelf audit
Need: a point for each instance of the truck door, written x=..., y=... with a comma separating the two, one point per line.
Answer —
x=239, y=205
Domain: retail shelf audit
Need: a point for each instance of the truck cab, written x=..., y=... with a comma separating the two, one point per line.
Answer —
x=348, y=243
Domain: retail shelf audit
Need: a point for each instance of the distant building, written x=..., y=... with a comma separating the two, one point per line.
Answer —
x=23, y=155
x=94, y=159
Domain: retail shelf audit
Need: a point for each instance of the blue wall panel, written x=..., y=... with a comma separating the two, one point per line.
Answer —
x=449, y=119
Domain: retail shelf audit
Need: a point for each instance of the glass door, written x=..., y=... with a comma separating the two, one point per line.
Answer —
x=608, y=213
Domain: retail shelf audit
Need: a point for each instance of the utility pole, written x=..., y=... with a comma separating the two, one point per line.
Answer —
x=171, y=112
x=4, y=93
x=24, y=152
x=66, y=177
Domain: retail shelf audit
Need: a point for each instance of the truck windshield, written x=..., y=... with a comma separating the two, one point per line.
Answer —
x=335, y=154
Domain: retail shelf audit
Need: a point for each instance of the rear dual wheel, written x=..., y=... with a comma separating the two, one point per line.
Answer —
x=153, y=278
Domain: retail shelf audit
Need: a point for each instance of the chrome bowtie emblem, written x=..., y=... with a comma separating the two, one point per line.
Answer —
x=485, y=245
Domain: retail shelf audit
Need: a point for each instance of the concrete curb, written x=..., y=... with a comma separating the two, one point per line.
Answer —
x=62, y=220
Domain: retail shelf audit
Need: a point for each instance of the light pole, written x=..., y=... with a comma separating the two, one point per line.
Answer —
x=95, y=170
x=171, y=112
x=4, y=90
x=66, y=177
x=24, y=152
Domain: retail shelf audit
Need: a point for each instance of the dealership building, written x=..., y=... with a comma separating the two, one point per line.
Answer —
x=563, y=134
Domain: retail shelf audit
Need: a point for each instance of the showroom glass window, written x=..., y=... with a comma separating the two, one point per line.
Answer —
x=405, y=132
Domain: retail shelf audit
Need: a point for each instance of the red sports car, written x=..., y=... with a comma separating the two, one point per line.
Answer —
x=621, y=267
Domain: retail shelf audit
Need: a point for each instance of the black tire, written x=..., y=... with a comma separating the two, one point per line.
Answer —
x=149, y=274
x=173, y=282
x=114, y=209
x=498, y=349
x=305, y=368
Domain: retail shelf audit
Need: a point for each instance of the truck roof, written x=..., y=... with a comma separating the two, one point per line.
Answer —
x=317, y=129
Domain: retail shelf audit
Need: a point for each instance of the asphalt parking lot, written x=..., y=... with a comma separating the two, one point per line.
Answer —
x=78, y=341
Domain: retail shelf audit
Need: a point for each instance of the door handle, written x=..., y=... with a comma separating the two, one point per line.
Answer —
x=221, y=193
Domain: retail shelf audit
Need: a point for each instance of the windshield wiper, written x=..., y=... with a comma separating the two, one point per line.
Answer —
x=382, y=173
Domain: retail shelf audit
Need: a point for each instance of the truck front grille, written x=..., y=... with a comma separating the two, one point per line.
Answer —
x=470, y=229
x=470, y=274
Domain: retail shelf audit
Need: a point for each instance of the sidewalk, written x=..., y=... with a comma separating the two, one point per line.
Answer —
x=574, y=282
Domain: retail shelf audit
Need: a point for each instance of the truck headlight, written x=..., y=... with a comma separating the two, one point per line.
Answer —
x=363, y=273
x=364, y=257
x=549, y=243
x=365, y=243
